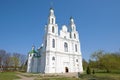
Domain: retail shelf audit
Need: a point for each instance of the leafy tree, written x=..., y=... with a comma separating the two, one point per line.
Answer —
x=97, y=55
x=105, y=60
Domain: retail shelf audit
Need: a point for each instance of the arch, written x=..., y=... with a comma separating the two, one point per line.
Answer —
x=53, y=30
x=65, y=47
x=66, y=69
x=53, y=43
x=76, y=60
x=73, y=28
x=30, y=55
x=52, y=20
x=70, y=35
x=74, y=35
x=75, y=47
x=53, y=58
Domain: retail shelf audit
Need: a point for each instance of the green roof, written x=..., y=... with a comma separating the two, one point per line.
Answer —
x=32, y=52
x=36, y=55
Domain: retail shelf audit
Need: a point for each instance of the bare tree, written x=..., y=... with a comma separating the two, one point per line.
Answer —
x=16, y=59
x=22, y=61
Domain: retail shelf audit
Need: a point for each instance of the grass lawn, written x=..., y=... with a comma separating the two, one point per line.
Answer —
x=8, y=76
x=101, y=76
x=96, y=76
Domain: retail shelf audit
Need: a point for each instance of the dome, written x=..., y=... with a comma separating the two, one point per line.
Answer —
x=64, y=28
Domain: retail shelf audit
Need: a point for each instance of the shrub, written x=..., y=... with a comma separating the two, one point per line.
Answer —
x=88, y=71
x=93, y=71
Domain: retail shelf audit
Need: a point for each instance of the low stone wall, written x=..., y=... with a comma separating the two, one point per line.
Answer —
x=62, y=74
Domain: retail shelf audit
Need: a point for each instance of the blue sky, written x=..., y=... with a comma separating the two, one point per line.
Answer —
x=97, y=21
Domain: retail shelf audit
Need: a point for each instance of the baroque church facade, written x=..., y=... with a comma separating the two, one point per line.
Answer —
x=60, y=51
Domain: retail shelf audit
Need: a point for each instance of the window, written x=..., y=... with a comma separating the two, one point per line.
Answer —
x=74, y=36
x=53, y=29
x=70, y=35
x=65, y=37
x=53, y=58
x=65, y=47
x=49, y=20
x=53, y=43
x=75, y=47
x=52, y=20
x=76, y=60
x=73, y=28
x=30, y=54
x=38, y=55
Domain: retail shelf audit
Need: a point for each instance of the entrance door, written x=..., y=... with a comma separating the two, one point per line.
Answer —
x=66, y=69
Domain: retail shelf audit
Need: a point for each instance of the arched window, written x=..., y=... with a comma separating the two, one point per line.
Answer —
x=53, y=43
x=52, y=20
x=74, y=36
x=73, y=28
x=53, y=58
x=70, y=35
x=53, y=29
x=76, y=60
x=65, y=37
x=75, y=47
x=30, y=54
x=65, y=47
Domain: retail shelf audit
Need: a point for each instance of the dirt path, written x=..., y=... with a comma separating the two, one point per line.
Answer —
x=24, y=78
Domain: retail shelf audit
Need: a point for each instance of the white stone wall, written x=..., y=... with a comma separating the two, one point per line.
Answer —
x=42, y=62
x=62, y=61
x=29, y=64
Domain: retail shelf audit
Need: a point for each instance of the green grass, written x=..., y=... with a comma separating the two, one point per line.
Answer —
x=101, y=76
x=8, y=76
x=96, y=76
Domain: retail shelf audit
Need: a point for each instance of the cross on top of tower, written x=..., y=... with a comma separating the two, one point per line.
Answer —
x=33, y=47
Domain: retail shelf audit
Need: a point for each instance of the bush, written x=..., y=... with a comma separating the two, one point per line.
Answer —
x=88, y=71
x=93, y=71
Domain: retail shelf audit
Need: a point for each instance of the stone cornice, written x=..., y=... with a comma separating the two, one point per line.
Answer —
x=65, y=53
x=67, y=39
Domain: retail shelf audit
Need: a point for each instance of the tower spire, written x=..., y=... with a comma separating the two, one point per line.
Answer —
x=51, y=18
x=52, y=12
x=72, y=24
x=33, y=47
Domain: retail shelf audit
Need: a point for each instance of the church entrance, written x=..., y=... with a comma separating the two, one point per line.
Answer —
x=66, y=69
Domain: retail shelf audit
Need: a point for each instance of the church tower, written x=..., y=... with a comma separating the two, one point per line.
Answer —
x=72, y=29
x=50, y=40
x=33, y=61
x=52, y=27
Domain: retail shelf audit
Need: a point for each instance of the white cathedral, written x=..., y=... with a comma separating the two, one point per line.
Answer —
x=60, y=51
